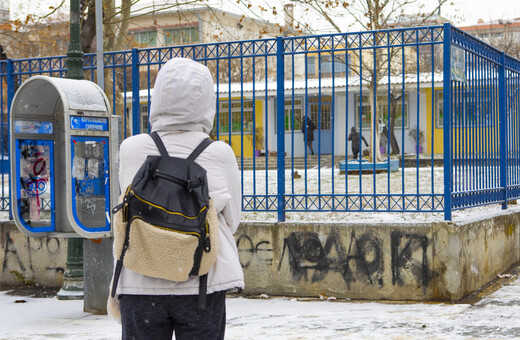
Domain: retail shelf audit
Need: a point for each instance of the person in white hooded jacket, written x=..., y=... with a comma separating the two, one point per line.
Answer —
x=182, y=113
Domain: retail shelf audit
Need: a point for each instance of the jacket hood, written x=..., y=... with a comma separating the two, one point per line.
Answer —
x=183, y=97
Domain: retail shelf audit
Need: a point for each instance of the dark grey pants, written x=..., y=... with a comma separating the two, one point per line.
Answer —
x=158, y=316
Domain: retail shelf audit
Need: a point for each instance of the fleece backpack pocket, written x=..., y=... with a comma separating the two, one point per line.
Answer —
x=154, y=249
x=160, y=252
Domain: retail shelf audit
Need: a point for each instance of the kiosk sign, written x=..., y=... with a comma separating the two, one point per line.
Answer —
x=88, y=123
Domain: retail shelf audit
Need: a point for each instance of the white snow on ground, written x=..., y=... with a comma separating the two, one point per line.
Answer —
x=414, y=182
x=494, y=317
x=405, y=181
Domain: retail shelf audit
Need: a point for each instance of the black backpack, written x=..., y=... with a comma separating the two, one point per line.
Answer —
x=166, y=225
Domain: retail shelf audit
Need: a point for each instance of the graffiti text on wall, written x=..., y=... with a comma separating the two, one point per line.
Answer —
x=249, y=251
x=357, y=258
x=14, y=258
x=409, y=255
x=362, y=260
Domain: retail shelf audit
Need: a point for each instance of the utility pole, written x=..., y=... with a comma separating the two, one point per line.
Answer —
x=74, y=54
x=72, y=288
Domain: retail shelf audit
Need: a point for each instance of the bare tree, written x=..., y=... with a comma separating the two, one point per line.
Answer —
x=372, y=65
x=502, y=34
x=376, y=15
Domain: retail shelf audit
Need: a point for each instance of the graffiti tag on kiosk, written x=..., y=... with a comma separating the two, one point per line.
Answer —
x=35, y=186
x=90, y=187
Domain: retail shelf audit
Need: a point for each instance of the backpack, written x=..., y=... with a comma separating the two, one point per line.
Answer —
x=166, y=226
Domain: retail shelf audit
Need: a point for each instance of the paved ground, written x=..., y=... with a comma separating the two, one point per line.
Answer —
x=495, y=316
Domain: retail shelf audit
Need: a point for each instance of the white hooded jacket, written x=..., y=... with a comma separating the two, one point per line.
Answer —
x=182, y=113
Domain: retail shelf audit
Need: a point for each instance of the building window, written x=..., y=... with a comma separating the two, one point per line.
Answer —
x=474, y=107
x=177, y=36
x=471, y=108
x=382, y=109
x=144, y=118
x=311, y=64
x=293, y=114
x=439, y=107
x=145, y=38
x=236, y=110
x=339, y=66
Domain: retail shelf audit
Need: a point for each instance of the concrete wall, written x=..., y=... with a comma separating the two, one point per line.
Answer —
x=41, y=260
x=421, y=261
x=413, y=261
x=467, y=256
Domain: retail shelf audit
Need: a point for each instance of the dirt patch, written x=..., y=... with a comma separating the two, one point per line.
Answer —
x=31, y=291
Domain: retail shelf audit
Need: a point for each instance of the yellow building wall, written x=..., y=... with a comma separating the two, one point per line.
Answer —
x=466, y=140
x=247, y=138
x=476, y=140
x=438, y=141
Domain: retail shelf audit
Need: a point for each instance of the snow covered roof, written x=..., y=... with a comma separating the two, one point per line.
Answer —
x=302, y=84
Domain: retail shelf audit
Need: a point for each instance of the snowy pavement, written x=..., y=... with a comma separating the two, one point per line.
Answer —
x=496, y=316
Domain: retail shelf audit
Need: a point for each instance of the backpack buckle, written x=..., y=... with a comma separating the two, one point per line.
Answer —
x=207, y=245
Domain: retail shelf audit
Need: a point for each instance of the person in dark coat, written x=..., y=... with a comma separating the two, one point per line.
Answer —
x=309, y=127
x=354, y=137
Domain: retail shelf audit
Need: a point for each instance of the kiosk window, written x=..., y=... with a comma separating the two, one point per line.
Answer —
x=89, y=175
x=35, y=180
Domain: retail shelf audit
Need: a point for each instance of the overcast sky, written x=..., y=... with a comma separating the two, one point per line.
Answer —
x=463, y=12
x=472, y=10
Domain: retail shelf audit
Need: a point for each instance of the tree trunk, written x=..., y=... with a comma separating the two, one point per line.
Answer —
x=393, y=144
x=375, y=152
x=109, y=29
x=391, y=129
x=88, y=25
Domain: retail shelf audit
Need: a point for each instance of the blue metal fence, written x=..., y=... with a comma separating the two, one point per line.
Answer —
x=434, y=89
x=485, y=132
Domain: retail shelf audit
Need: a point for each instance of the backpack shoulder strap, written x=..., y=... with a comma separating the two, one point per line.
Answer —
x=159, y=144
x=203, y=145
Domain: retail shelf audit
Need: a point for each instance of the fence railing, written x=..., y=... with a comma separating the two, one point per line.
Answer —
x=438, y=109
x=484, y=138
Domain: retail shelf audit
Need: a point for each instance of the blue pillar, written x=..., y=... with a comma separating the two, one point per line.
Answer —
x=136, y=109
x=502, y=122
x=280, y=123
x=447, y=130
x=10, y=96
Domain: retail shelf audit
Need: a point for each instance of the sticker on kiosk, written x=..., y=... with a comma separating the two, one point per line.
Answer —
x=33, y=127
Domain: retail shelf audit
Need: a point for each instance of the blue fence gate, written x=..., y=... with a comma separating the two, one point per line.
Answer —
x=435, y=112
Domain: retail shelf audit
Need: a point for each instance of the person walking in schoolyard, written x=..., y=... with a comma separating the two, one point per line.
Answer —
x=182, y=113
x=354, y=136
x=308, y=132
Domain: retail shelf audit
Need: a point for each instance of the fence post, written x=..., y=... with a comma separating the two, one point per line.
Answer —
x=502, y=123
x=136, y=109
x=10, y=84
x=280, y=123
x=447, y=128
x=10, y=96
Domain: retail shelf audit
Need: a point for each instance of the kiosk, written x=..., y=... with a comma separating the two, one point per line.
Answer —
x=63, y=151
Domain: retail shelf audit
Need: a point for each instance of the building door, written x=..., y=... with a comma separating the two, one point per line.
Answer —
x=320, y=111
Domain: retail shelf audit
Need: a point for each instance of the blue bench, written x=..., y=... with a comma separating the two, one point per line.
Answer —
x=354, y=165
